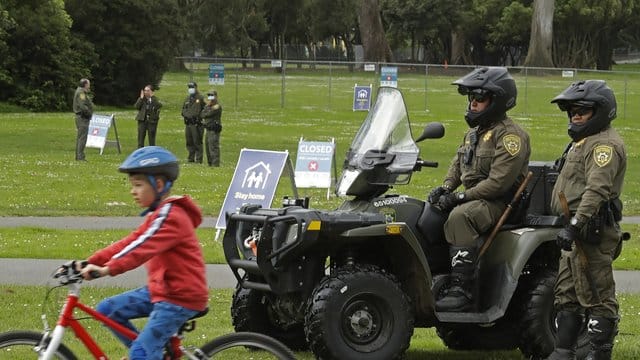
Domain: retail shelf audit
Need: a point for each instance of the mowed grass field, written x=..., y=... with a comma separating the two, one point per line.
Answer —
x=262, y=110
x=265, y=110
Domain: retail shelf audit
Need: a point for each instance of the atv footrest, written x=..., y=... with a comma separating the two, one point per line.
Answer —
x=492, y=314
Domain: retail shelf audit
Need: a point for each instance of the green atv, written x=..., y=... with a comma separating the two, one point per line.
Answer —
x=353, y=283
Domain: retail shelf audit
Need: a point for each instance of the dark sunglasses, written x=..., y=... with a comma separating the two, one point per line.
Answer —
x=479, y=95
x=581, y=111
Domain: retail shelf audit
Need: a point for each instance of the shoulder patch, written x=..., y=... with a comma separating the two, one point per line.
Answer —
x=82, y=96
x=512, y=144
x=602, y=155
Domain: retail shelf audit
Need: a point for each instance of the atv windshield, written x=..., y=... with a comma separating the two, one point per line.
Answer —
x=383, y=151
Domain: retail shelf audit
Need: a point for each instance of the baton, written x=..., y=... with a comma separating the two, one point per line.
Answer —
x=505, y=214
x=584, y=262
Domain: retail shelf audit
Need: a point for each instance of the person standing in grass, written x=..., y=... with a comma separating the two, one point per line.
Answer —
x=191, y=109
x=591, y=174
x=211, y=115
x=166, y=244
x=148, y=115
x=83, y=109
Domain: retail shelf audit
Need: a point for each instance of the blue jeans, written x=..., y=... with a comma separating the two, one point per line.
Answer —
x=165, y=319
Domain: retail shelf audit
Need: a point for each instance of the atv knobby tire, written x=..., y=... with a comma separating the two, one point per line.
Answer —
x=359, y=312
x=251, y=311
x=538, y=331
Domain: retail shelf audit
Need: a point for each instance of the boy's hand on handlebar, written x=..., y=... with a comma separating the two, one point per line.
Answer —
x=92, y=271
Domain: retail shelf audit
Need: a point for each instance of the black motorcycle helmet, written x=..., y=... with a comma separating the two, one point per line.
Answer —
x=593, y=94
x=501, y=87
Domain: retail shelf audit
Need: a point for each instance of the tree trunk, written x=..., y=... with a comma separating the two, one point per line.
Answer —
x=457, y=48
x=540, y=43
x=374, y=43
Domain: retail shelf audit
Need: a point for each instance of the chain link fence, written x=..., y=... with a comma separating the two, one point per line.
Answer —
x=326, y=85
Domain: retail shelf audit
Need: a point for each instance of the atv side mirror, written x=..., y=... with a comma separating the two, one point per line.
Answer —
x=433, y=130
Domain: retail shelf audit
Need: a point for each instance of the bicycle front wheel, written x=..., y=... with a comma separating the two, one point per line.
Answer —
x=22, y=345
x=243, y=342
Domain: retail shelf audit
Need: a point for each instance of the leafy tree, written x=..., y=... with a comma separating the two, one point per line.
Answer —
x=333, y=19
x=586, y=31
x=6, y=24
x=493, y=31
x=509, y=36
x=39, y=69
x=135, y=41
x=419, y=22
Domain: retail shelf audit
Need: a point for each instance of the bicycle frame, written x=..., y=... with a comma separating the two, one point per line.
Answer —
x=66, y=319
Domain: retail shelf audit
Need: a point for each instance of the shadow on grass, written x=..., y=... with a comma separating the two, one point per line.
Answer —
x=415, y=354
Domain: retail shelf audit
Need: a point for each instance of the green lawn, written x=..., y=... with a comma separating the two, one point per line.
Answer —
x=40, y=177
x=22, y=306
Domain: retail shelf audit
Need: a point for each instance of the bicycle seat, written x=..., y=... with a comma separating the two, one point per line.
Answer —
x=200, y=314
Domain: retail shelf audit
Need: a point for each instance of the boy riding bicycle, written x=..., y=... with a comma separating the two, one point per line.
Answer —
x=167, y=244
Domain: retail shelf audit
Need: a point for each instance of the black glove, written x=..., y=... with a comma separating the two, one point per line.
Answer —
x=435, y=194
x=567, y=236
x=451, y=200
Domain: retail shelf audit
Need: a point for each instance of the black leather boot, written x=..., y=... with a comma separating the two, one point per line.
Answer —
x=459, y=296
x=569, y=325
x=602, y=331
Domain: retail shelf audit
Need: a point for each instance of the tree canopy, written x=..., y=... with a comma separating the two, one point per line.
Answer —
x=122, y=45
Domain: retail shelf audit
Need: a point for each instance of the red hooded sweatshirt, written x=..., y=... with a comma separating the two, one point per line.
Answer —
x=166, y=243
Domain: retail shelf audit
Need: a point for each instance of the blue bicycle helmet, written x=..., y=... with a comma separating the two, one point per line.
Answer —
x=153, y=161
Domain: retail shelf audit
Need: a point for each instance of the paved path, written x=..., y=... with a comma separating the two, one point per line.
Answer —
x=37, y=271
x=125, y=222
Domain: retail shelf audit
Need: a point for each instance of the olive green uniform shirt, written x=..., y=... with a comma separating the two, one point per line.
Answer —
x=82, y=104
x=499, y=162
x=490, y=163
x=593, y=172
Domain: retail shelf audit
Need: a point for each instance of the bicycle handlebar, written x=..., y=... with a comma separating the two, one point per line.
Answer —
x=70, y=274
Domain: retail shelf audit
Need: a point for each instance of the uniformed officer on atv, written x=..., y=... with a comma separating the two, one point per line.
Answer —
x=485, y=173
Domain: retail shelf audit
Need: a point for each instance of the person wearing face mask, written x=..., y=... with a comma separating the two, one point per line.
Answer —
x=191, y=109
x=490, y=164
x=211, y=115
x=148, y=115
x=591, y=174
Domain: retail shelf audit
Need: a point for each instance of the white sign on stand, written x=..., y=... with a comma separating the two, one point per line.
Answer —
x=99, y=129
x=314, y=163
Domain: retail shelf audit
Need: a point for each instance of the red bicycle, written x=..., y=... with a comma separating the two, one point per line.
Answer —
x=48, y=344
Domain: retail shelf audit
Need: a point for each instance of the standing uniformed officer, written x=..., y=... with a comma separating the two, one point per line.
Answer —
x=591, y=173
x=490, y=163
x=191, y=109
x=83, y=108
x=148, y=115
x=211, y=115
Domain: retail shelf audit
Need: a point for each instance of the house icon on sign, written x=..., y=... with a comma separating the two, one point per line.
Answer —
x=256, y=176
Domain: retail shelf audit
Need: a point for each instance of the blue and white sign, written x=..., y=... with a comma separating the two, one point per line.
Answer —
x=361, y=98
x=216, y=74
x=313, y=164
x=254, y=181
x=389, y=76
